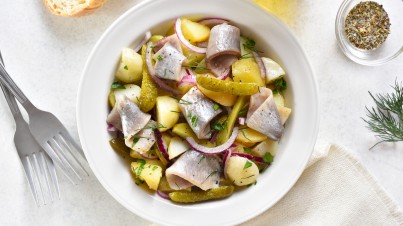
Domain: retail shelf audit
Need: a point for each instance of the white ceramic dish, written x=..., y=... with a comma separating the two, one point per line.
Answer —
x=295, y=148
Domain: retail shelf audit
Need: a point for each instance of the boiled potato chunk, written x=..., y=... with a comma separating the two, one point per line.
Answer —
x=265, y=146
x=247, y=70
x=183, y=130
x=195, y=32
x=131, y=67
x=273, y=70
x=149, y=173
x=168, y=112
x=241, y=171
x=284, y=113
x=278, y=100
x=176, y=147
x=248, y=137
x=130, y=90
x=224, y=99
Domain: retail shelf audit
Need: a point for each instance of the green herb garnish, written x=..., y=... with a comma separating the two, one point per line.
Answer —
x=154, y=168
x=141, y=167
x=249, y=44
x=386, y=119
x=247, y=165
x=159, y=58
x=209, y=176
x=117, y=85
x=279, y=85
x=216, y=107
x=126, y=68
x=201, y=159
x=268, y=157
x=248, y=150
x=248, y=176
x=194, y=120
x=182, y=101
x=218, y=126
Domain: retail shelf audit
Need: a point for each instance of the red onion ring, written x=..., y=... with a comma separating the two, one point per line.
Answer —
x=241, y=120
x=184, y=41
x=210, y=21
x=189, y=78
x=162, y=146
x=225, y=160
x=151, y=70
x=163, y=195
x=219, y=149
x=213, y=136
x=111, y=128
x=147, y=37
x=259, y=62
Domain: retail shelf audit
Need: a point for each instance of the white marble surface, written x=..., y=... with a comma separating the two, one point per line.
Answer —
x=45, y=55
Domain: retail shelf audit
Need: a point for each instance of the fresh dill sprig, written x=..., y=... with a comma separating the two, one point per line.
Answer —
x=386, y=119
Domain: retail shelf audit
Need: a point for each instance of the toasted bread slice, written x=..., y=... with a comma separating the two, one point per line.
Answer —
x=70, y=8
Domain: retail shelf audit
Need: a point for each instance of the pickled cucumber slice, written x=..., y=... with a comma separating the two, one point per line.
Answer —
x=225, y=86
x=224, y=134
x=118, y=144
x=149, y=90
x=199, y=196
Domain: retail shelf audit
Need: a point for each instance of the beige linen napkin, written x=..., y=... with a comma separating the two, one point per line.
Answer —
x=335, y=189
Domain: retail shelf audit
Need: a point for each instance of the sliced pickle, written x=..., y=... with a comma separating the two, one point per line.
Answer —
x=199, y=196
x=225, y=86
x=149, y=90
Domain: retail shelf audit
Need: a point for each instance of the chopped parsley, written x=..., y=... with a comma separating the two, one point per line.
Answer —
x=182, y=101
x=216, y=107
x=247, y=149
x=117, y=85
x=154, y=127
x=159, y=58
x=176, y=112
x=279, y=85
x=194, y=120
x=268, y=157
x=141, y=167
x=249, y=44
x=247, y=165
x=218, y=126
x=126, y=68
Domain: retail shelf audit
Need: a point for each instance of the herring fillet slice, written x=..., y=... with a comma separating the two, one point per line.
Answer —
x=133, y=119
x=194, y=168
x=145, y=138
x=198, y=111
x=263, y=115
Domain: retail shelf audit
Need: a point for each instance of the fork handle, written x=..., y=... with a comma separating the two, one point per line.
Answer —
x=15, y=110
x=6, y=80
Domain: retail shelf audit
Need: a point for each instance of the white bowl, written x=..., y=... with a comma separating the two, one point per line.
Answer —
x=273, y=37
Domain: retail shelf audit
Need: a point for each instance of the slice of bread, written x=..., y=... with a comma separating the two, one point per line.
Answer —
x=71, y=8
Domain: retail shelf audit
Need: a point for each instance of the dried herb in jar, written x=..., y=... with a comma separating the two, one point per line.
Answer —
x=367, y=25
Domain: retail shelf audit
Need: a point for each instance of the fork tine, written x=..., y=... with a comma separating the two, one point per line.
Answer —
x=49, y=149
x=52, y=173
x=61, y=154
x=26, y=163
x=35, y=167
x=45, y=173
x=68, y=139
x=61, y=140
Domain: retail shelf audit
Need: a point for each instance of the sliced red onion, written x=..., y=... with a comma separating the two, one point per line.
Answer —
x=163, y=195
x=111, y=128
x=202, y=44
x=225, y=160
x=260, y=63
x=210, y=21
x=219, y=149
x=188, y=79
x=151, y=70
x=147, y=37
x=214, y=135
x=241, y=120
x=250, y=157
x=162, y=146
x=184, y=41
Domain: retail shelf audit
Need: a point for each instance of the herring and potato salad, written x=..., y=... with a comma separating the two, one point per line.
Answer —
x=199, y=110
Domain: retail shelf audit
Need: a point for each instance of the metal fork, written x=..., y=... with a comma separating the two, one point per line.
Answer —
x=38, y=167
x=50, y=133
